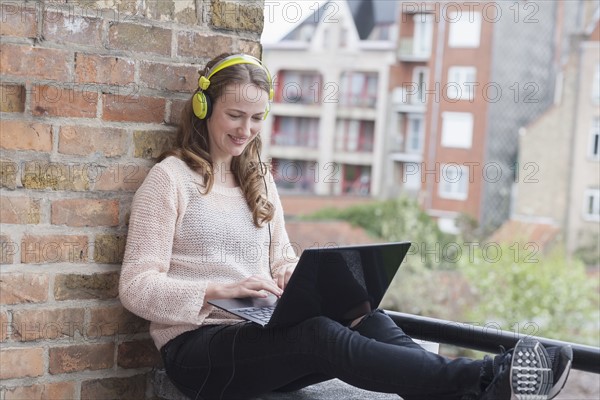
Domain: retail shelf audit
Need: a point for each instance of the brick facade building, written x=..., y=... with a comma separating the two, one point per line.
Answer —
x=90, y=95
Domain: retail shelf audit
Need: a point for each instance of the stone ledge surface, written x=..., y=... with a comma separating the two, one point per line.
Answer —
x=329, y=390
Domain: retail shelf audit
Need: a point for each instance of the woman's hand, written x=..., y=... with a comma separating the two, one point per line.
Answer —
x=282, y=275
x=254, y=286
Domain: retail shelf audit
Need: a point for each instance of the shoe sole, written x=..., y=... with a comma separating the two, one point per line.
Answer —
x=530, y=371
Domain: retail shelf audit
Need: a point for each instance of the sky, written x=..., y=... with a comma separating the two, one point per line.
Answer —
x=281, y=16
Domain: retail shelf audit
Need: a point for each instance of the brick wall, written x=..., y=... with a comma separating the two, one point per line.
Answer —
x=90, y=94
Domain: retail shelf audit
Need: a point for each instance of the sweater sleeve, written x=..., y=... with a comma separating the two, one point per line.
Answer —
x=145, y=288
x=282, y=249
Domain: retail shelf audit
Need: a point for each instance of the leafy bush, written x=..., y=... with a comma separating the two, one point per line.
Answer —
x=544, y=295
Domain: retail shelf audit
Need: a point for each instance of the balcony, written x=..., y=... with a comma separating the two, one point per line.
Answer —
x=409, y=52
x=408, y=100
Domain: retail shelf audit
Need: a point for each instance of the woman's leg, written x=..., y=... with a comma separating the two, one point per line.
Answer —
x=246, y=360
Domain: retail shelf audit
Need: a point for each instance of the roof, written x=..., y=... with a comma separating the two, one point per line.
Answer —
x=544, y=235
x=367, y=14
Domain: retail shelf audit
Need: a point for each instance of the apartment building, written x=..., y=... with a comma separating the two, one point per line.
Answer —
x=326, y=131
x=382, y=98
x=468, y=76
x=563, y=145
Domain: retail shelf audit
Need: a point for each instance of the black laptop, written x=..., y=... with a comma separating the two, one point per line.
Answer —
x=341, y=283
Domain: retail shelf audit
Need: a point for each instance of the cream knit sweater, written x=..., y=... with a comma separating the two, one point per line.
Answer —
x=179, y=240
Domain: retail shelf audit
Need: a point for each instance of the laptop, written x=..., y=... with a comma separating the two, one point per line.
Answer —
x=341, y=283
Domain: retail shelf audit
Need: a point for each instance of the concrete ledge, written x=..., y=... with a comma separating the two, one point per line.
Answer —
x=330, y=390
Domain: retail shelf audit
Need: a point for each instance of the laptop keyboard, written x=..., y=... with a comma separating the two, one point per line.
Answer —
x=263, y=314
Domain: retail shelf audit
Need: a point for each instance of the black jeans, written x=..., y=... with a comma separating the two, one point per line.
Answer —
x=246, y=360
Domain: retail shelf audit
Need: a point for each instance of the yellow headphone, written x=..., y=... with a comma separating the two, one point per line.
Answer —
x=202, y=103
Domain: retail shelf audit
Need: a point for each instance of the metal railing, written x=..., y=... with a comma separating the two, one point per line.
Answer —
x=487, y=338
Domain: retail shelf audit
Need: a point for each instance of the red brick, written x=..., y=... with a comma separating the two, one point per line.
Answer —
x=80, y=287
x=197, y=45
x=116, y=320
x=3, y=326
x=109, y=249
x=57, y=176
x=176, y=78
x=34, y=62
x=47, y=391
x=12, y=98
x=19, y=210
x=130, y=388
x=122, y=177
x=64, y=100
x=81, y=357
x=25, y=135
x=72, y=28
x=18, y=288
x=151, y=144
x=138, y=354
x=133, y=108
x=85, y=212
x=21, y=362
x=176, y=108
x=85, y=140
x=8, y=249
x=91, y=68
x=51, y=324
x=53, y=249
x=17, y=20
x=8, y=174
x=144, y=39
x=231, y=15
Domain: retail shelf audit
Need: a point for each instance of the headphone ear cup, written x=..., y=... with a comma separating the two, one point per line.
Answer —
x=201, y=105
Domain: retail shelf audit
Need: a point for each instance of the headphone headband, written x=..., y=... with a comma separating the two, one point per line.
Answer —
x=204, y=81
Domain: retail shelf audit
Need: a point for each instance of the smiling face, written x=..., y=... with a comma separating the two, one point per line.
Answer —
x=236, y=119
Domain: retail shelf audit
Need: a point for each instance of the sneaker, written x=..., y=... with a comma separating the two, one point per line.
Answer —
x=524, y=373
x=561, y=358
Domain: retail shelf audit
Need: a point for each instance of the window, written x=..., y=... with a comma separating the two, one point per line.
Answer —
x=596, y=86
x=419, y=76
x=356, y=179
x=465, y=29
x=594, y=138
x=358, y=89
x=294, y=175
x=295, y=131
x=454, y=182
x=411, y=176
x=461, y=83
x=457, y=129
x=355, y=135
x=591, y=205
x=414, y=134
x=299, y=87
x=423, y=34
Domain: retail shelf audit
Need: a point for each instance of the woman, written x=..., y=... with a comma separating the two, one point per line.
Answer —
x=207, y=223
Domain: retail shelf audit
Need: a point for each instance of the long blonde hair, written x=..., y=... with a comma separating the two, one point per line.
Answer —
x=192, y=144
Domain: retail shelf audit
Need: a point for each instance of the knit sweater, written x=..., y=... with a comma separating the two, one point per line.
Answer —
x=180, y=239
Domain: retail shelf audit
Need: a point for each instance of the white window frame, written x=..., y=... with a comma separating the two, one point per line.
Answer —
x=417, y=74
x=422, y=35
x=454, y=182
x=411, y=182
x=465, y=29
x=461, y=83
x=594, y=195
x=594, y=140
x=457, y=129
x=596, y=85
x=411, y=133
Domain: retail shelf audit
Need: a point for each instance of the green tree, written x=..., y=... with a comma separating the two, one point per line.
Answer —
x=543, y=295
